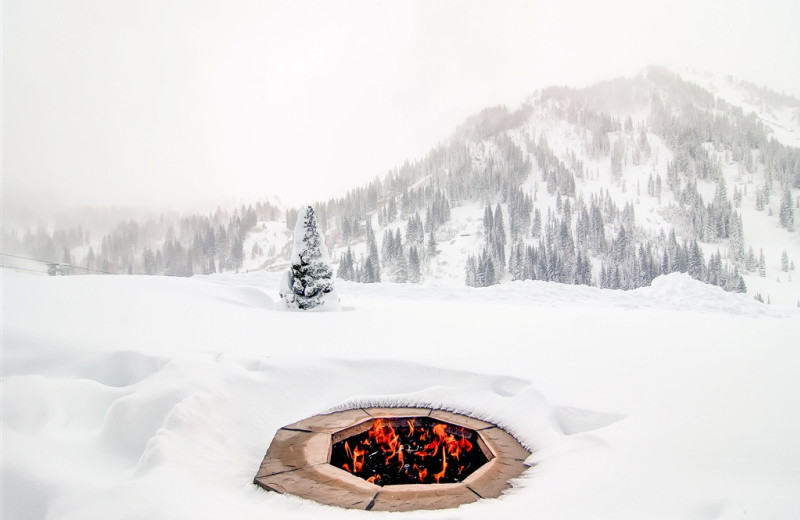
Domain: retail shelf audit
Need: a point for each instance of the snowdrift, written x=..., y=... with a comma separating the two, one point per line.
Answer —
x=146, y=397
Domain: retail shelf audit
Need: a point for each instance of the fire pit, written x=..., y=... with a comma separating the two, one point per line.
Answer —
x=392, y=459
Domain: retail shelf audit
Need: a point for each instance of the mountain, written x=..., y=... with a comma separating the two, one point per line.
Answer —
x=610, y=185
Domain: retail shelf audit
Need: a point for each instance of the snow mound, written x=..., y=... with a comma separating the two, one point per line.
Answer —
x=133, y=397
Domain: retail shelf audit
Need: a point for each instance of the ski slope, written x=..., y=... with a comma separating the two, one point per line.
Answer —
x=151, y=397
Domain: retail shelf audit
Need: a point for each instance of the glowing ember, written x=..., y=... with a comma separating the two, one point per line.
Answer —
x=414, y=451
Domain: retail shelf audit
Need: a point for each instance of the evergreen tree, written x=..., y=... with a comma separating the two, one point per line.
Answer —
x=388, y=247
x=696, y=262
x=750, y=262
x=759, y=200
x=536, y=228
x=736, y=235
x=414, y=265
x=401, y=266
x=488, y=221
x=431, y=248
x=721, y=210
x=372, y=266
x=471, y=272
x=310, y=277
x=787, y=210
x=346, y=270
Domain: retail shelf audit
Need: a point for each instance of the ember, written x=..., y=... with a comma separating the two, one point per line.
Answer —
x=410, y=451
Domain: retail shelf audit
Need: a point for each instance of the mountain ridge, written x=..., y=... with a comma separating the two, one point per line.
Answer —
x=611, y=185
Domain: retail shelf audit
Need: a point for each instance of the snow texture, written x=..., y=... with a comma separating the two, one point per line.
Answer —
x=156, y=397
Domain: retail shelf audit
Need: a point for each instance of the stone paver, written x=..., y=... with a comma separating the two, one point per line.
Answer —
x=491, y=479
x=292, y=450
x=500, y=441
x=332, y=422
x=461, y=420
x=398, y=412
x=413, y=497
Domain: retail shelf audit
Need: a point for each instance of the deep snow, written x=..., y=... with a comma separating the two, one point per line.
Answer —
x=151, y=397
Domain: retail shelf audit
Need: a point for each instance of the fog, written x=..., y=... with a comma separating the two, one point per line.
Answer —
x=186, y=104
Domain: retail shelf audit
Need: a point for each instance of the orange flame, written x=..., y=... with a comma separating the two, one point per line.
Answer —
x=358, y=459
x=422, y=442
x=439, y=475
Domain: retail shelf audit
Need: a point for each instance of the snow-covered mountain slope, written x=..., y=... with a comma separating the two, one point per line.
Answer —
x=590, y=185
x=156, y=397
x=653, y=154
x=780, y=113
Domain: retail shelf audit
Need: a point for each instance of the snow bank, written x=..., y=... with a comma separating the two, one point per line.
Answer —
x=145, y=397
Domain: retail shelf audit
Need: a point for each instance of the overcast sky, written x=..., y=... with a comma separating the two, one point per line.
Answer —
x=178, y=103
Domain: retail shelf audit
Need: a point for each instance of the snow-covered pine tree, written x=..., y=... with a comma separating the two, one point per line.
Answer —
x=308, y=283
x=760, y=200
x=432, y=249
x=787, y=210
x=750, y=261
x=346, y=269
x=372, y=266
x=414, y=265
x=400, y=265
x=736, y=235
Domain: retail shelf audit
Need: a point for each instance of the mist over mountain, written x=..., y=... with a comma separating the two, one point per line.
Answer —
x=611, y=185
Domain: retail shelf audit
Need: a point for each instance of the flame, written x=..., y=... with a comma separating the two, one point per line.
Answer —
x=421, y=445
x=358, y=459
x=348, y=450
x=388, y=440
x=356, y=456
x=439, y=475
x=400, y=458
x=463, y=442
x=452, y=446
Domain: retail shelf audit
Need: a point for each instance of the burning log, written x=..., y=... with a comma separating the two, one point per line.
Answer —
x=413, y=451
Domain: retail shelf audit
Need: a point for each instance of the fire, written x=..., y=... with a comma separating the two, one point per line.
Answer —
x=409, y=452
x=438, y=476
x=357, y=456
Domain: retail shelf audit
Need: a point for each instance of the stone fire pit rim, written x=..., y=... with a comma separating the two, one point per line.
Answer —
x=297, y=463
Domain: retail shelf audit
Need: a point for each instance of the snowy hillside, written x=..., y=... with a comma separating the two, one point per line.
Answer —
x=780, y=113
x=156, y=397
x=611, y=186
x=591, y=184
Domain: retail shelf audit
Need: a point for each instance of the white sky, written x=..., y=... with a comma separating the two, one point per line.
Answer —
x=179, y=103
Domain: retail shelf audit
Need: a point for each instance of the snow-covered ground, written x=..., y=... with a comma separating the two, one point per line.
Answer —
x=127, y=397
